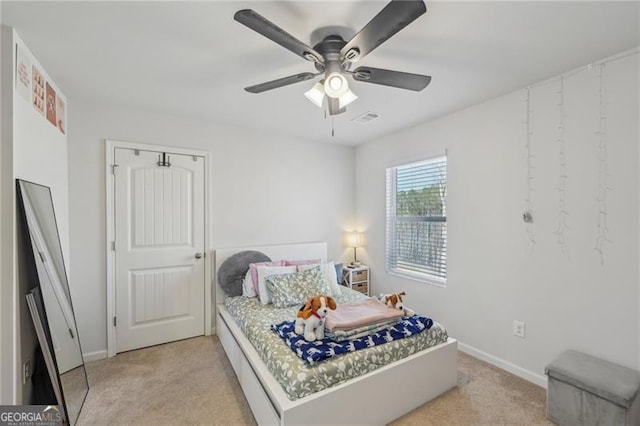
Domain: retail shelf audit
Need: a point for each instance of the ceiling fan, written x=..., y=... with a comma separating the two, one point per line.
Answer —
x=333, y=56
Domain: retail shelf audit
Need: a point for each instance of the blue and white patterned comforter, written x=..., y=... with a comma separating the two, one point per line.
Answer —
x=319, y=350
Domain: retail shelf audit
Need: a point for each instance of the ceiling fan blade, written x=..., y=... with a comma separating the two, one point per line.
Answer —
x=260, y=24
x=402, y=80
x=284, y=81
x=395, y=16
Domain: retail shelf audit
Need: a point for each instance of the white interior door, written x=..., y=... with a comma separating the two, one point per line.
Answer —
x=159, y=248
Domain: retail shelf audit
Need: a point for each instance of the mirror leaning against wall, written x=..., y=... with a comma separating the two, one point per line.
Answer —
x=55, y=326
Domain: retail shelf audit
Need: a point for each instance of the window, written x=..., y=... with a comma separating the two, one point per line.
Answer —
x=417, y=220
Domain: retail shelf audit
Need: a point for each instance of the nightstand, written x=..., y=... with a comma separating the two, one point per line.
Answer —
x=356, y=278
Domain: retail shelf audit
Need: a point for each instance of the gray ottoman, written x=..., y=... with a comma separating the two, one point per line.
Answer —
x=584, y=390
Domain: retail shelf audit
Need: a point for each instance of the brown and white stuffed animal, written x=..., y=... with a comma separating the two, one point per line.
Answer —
x=394, y=300
x=310, y=317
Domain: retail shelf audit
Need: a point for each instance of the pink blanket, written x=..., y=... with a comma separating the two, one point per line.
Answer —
x=359, y=314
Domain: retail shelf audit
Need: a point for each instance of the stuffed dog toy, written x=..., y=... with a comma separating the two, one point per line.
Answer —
x=310, y=318
x=394, y=300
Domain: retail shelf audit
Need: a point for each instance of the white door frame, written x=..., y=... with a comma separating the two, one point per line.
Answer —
x=111, y=146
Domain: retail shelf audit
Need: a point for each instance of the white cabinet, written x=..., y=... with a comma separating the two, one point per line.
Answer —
x=356, y=278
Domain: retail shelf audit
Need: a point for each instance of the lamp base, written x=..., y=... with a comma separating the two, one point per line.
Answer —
x=356, y=263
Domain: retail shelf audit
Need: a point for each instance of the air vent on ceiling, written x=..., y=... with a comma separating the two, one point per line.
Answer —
x=366, y=117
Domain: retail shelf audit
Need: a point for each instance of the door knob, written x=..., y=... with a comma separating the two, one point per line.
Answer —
x=198, y=255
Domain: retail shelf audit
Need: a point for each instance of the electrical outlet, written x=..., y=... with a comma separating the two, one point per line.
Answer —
x=26, y=371
x=518, y=328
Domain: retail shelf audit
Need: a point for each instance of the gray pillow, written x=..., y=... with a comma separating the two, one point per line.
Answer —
x=232, y=271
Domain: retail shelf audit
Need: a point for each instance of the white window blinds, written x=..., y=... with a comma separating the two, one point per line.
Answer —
x=417, y=220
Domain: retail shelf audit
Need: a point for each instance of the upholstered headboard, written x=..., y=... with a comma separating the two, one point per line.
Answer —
x=275, y=252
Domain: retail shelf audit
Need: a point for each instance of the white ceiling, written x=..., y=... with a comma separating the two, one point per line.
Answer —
x=191, y=59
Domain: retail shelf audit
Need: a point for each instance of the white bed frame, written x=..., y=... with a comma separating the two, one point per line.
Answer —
x=374, y=398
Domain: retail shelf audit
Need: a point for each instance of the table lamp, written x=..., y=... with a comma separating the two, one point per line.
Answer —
x=355, y=240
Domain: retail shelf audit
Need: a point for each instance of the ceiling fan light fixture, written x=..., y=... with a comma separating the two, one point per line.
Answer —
x=333, y=56
x=333, y=106
x=346, y=99
x=335, y=85
x=316, y=94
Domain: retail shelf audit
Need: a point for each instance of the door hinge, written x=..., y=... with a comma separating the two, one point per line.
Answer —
x=113, y=169
x=114, y=321
x=113, y=245
x=42, y=256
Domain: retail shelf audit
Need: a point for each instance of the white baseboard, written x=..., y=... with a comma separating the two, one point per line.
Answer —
x=505, y=365
x=94, y=356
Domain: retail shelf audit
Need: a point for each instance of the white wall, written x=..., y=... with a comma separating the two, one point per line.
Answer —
x=266, y=190
x=567, y=300
x=40, y=156
x=32, y=149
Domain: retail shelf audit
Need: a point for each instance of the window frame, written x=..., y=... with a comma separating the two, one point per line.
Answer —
x=391, y=206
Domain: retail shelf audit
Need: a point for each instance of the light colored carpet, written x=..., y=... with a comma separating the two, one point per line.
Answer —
x=192, y=382
x=184, y=382
x=485, y=395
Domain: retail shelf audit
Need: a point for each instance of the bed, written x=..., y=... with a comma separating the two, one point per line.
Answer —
x=375, y=394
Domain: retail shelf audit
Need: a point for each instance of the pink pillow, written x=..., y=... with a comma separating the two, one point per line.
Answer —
x=302, y=262
x=253, y=267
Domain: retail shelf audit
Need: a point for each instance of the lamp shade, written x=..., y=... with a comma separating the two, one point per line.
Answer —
x=355, y=239
x=346, y=99
x=316, y=94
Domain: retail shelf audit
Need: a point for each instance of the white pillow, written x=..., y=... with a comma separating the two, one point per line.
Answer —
x=267, y=271
x=247, y=286
x=329, y=272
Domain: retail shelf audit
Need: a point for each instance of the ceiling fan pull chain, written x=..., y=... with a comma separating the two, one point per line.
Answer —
x=333, y=126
